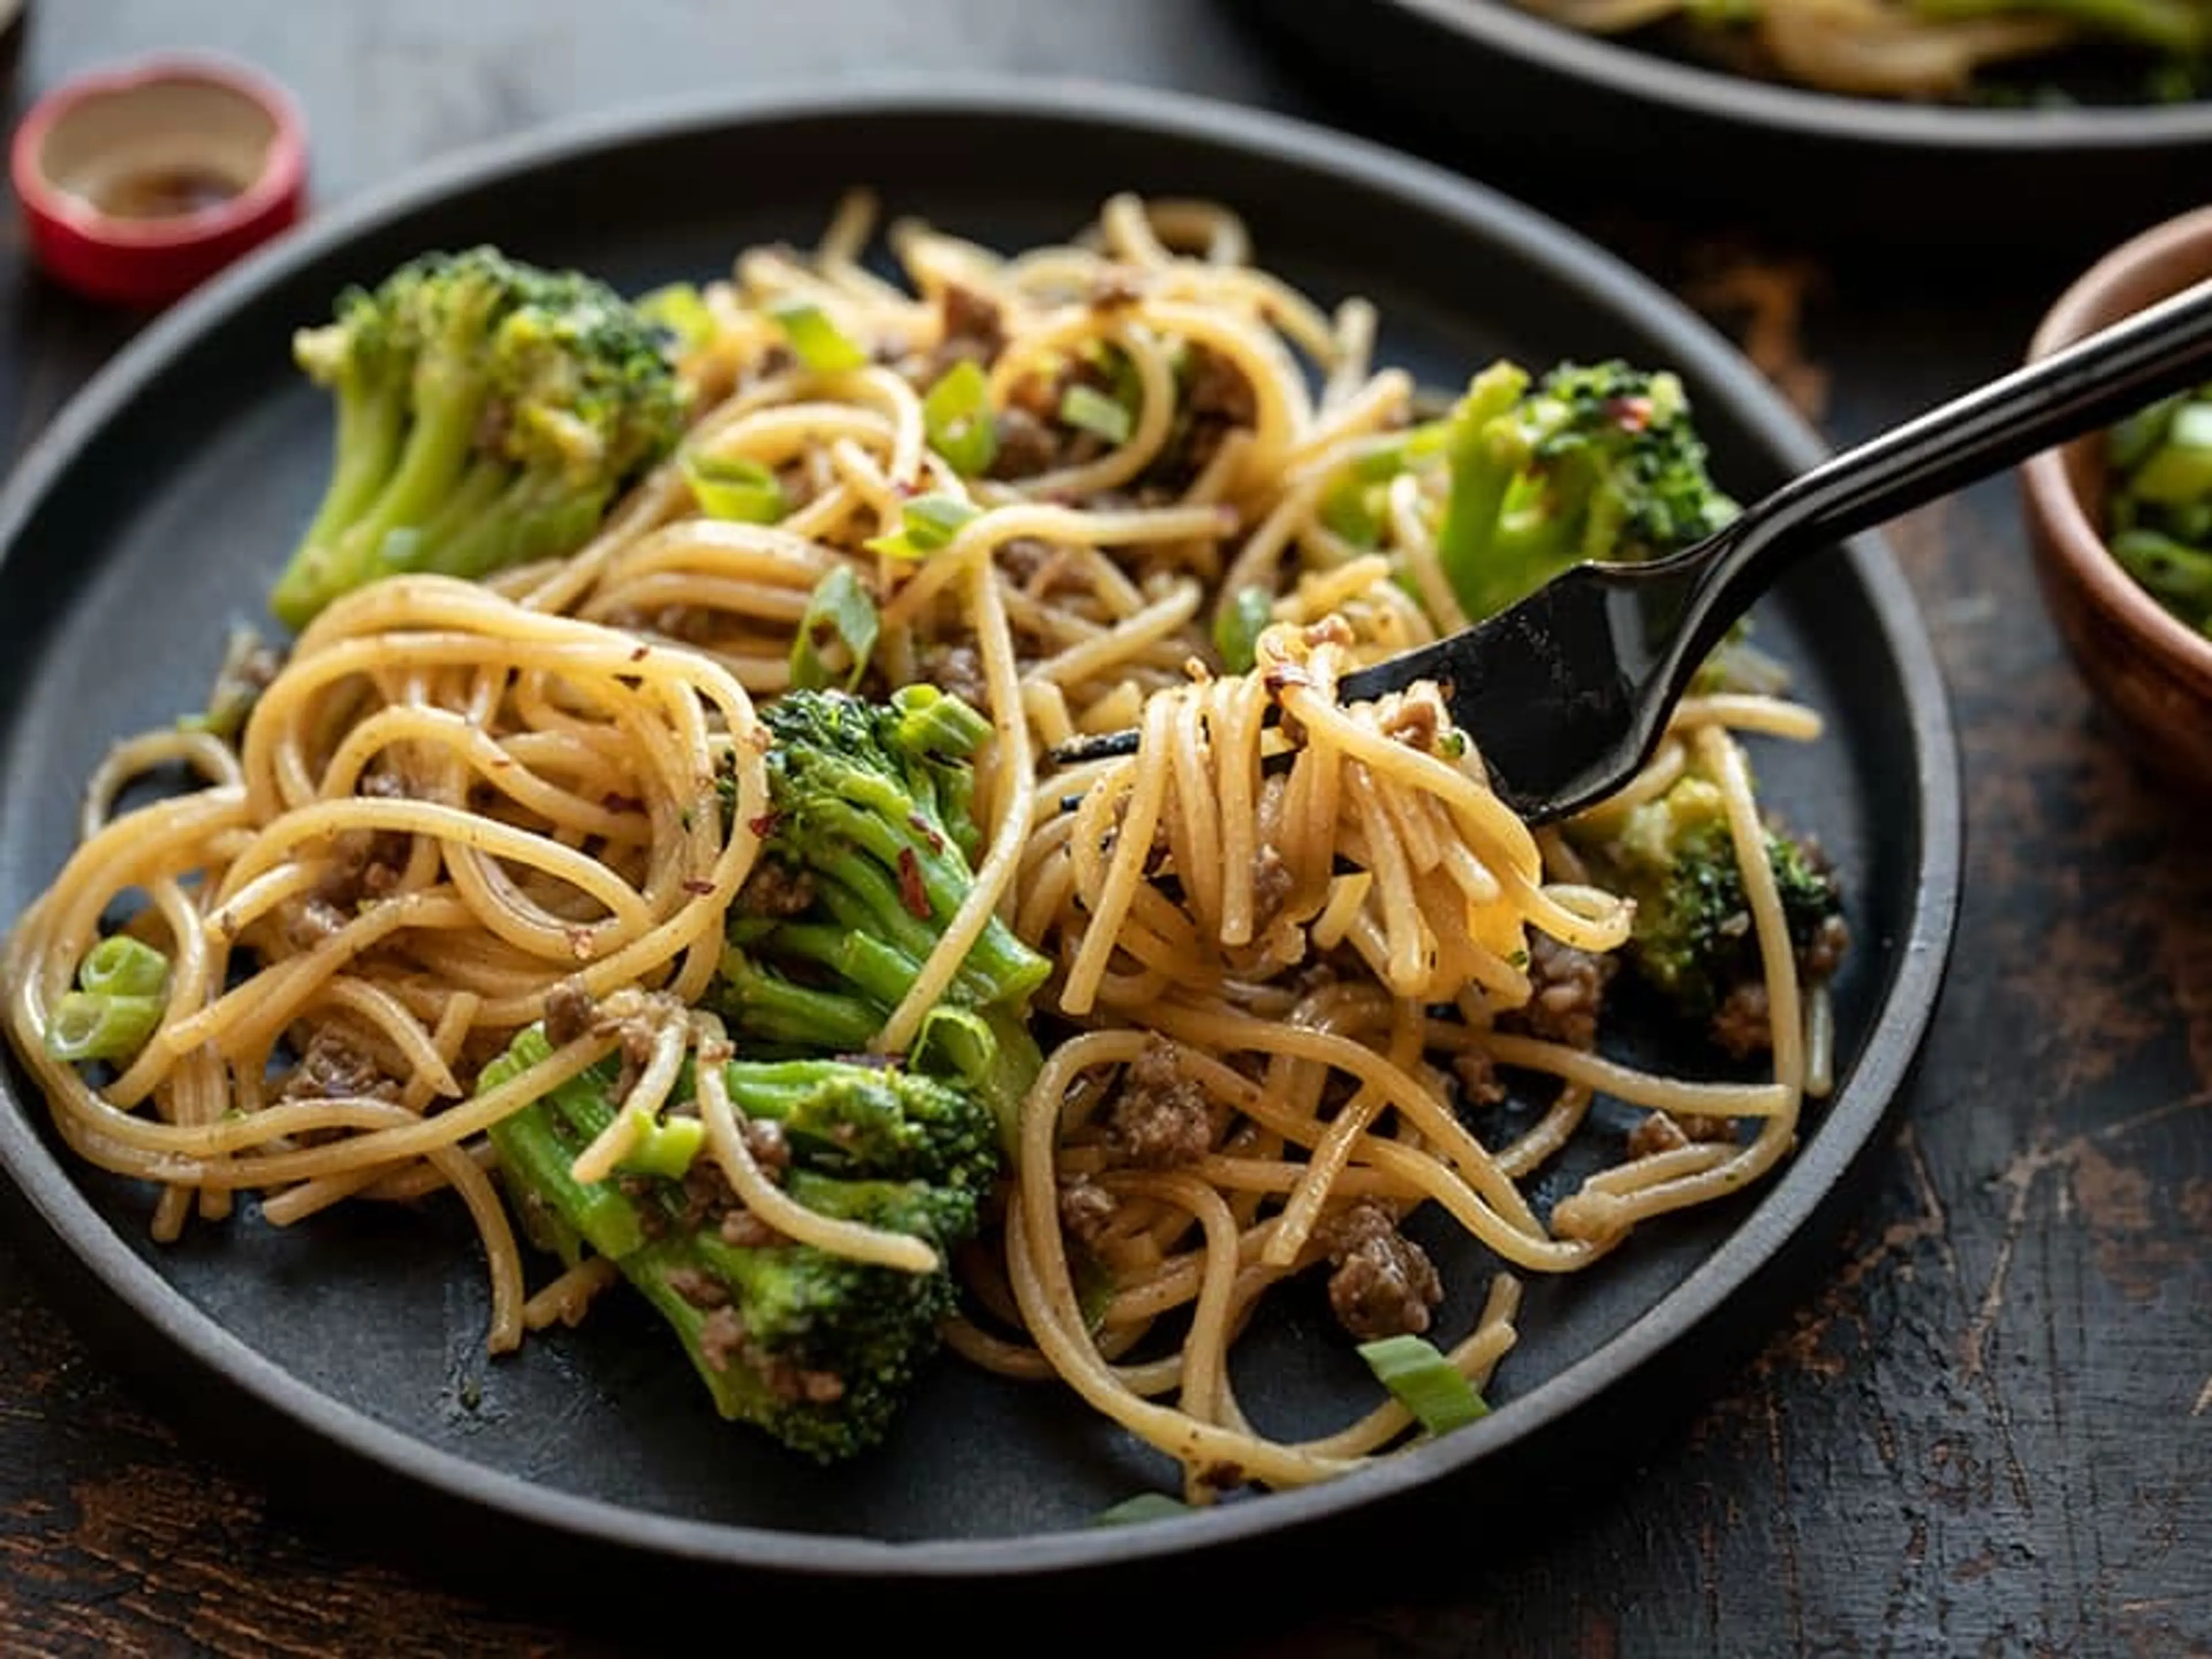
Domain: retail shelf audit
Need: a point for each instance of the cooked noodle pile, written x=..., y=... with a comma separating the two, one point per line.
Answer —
x=1290, y=936
x=1876, y=48
x=394, y=866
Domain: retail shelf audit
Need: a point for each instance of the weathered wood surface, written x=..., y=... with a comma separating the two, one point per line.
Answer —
x=1990, y=1429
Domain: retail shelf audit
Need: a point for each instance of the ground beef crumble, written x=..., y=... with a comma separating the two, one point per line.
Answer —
x=974, y=332
x=570, y=1011
x=1085, y=1210
x=776, y=888
x=1566, y=996
x=335, y=1068
x=723, y=1339
x=1384, y=1284
x=1271, y=884
x=1478, y=1082
x=1159, y=1118
x=959, y=669
x=1664, y=1132
x=1741, y=1025
x=1820, y=955
x=1416, y=718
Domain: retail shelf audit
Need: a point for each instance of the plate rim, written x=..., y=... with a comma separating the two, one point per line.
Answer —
x=1842, y=119
x=1785, y=1206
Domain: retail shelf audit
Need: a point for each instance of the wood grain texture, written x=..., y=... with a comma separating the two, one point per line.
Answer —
x=1988, y=1430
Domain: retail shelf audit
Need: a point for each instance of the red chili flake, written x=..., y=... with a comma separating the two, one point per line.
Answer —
x=640, y=652
x=697, y=886
x=615, y=801
x=919, y=825
x=911, y=893
x=764, y=826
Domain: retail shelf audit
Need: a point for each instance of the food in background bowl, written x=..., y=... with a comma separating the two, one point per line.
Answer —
x=2149, y=50
x=2150, y=667
x=2160, y=512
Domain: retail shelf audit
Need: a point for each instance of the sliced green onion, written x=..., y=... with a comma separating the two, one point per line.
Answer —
x=86, y=1026
x=2179, y=575
x=1425, y=1382
x=819, y=343
x=2134, y=439
x=1236, y=629
x=935, y=722
x=667, y=1149
x=679, y=308
x=2180, y=469
x=954, y=1044
x=121, y=966
x=1093, y=411
x=1352, y=509
x=733, y=486
x=835, y=634
x=927, y=526
x=1145, y=1506
x=957, y=417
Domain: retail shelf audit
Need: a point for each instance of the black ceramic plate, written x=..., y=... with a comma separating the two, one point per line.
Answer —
x=1541, y=105
x=347, y=1355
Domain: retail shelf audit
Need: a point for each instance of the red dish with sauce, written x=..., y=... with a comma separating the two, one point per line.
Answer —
x=138, y=184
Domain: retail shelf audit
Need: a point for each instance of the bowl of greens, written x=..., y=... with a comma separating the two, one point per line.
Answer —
x=2122, y=521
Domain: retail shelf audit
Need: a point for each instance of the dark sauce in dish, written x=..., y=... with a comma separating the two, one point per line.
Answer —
x=168, y=193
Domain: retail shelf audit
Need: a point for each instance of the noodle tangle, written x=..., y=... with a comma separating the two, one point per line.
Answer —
x=1299, y=947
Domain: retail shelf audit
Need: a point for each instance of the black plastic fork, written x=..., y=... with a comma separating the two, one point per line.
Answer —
x=1567, y=692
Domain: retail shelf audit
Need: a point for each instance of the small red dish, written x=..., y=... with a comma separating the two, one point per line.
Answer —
x=140, y=182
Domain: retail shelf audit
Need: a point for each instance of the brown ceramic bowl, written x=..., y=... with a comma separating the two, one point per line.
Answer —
x=2152, y=671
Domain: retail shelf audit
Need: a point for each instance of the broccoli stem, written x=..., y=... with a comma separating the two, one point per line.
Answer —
x=487, y=479
x=370, y=420
x=1014, y=1066
x=536, y=1155
x=529, y=519
x=1482, y=464
x=773, y=1009
x=859, y=894
x=881, y=971
x=449, y=407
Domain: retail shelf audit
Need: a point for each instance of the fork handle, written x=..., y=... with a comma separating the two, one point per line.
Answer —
x=2162, y=349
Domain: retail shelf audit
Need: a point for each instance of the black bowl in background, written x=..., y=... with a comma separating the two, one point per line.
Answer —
x=1568, y=118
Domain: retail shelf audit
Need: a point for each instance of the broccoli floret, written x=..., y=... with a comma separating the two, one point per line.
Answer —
x=1594, y=463
x=487, y=414
x=851, y=1119
x=816, y=1350
x=1692, y=939
x=865, y=859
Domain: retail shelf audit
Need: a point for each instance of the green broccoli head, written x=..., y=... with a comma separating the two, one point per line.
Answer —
x=1598, y=462
x=819, y=1351
x=850, y=1118
x=816, y=1350
x=864, y=862
x=909, y=758
x=1693, y=939
x=487, y=413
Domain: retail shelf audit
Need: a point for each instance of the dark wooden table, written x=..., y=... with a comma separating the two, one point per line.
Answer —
x=1988, y=1429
